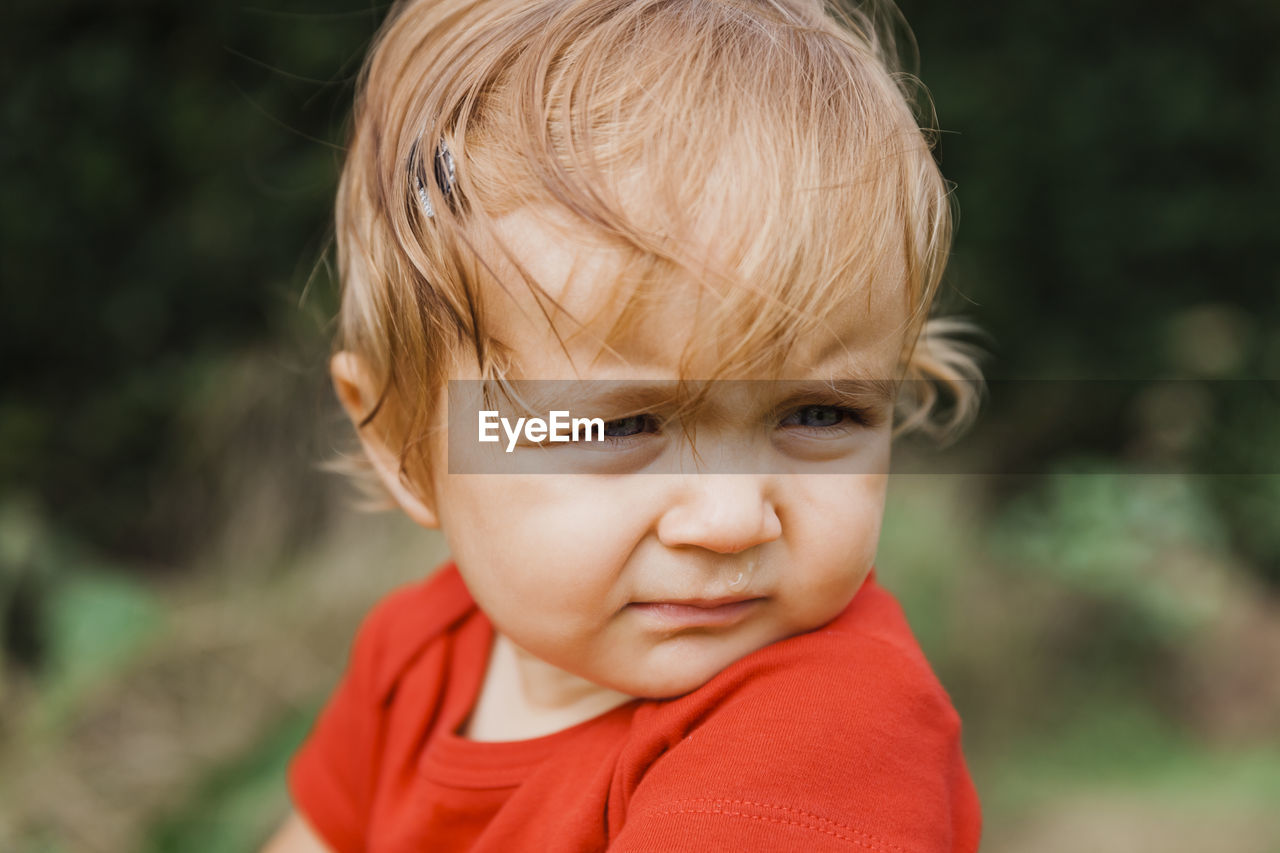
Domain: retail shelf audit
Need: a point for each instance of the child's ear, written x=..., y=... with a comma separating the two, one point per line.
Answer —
x=357, y=392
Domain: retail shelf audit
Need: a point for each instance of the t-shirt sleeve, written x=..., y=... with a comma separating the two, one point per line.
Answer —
x=332, y=777
x=861, y=757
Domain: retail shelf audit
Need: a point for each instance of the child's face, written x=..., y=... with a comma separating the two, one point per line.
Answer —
x=568, y=565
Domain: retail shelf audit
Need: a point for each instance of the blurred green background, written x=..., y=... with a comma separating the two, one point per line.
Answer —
x=1100, y=592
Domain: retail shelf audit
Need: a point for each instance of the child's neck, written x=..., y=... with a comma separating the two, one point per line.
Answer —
x=525, y=697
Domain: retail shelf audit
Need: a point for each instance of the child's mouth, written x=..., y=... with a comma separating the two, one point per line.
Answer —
x=689, y=613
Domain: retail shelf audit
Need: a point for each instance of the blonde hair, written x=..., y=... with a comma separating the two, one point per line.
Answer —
x=786, y=125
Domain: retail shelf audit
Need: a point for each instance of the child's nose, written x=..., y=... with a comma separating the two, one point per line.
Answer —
x=725, y=513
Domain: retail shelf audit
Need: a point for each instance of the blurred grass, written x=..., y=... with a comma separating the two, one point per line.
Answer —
x=1044, y=749
x=1047, y=743
x=238, y=805
x=1060, y=643
x=169, y=712
x=97, y=621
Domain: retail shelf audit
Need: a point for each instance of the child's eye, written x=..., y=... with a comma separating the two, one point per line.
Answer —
x=630, y=426
x=822, y=417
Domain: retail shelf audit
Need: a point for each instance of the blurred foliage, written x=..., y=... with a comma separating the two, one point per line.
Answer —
x=1111, y=180
x=168, y=175
x=1144, y=543
x=240, y=804
x=96, y=620
x=1116, y=224
x=169, y=172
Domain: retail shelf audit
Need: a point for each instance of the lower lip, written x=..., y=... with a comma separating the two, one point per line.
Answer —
x=686, y=615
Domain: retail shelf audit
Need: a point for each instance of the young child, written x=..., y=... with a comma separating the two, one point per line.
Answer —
x=671, y=638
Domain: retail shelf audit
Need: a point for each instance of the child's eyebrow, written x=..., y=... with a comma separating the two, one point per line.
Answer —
x=620, y=397
x=857, y=393
x=593, y=395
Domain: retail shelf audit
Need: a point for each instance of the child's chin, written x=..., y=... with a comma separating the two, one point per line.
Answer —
x=674, y=682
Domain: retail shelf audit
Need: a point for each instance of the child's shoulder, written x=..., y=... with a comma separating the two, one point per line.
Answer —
x=836, y=739
x=868, y=646
x=406, y=621
x=866, y=674
x=865, y=643
x=860, y=676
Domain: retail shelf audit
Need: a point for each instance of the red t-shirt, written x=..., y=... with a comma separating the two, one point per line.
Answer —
x=840, y=739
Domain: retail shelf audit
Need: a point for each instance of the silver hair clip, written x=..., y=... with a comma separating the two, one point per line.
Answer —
x=446, y=175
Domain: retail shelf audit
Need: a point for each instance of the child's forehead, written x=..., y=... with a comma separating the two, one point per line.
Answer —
x=751, y=228
x=600, y=309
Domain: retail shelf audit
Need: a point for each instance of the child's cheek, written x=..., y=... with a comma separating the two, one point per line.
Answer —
x=546, y=533
x=834, y=527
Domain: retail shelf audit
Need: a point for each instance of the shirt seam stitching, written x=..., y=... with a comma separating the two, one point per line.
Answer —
x=814, y=822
